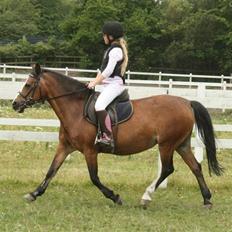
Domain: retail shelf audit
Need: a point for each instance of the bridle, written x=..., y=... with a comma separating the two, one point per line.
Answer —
x=28, y=98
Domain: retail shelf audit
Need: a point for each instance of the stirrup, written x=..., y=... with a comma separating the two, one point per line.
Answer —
x=104, y=141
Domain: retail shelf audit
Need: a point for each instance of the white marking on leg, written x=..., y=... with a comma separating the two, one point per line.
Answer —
x=151, y=188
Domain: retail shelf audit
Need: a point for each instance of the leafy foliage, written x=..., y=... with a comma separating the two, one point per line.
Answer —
x=17, y=21
x=176, y=35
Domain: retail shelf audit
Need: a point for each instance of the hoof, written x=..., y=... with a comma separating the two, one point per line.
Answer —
x=144, y=203
x=208, y=206
x=118, y=200
x=29, y=197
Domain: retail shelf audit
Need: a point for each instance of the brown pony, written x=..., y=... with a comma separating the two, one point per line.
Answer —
x=164, y=120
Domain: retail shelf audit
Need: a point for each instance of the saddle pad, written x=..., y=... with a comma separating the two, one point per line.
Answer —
x=119, y=111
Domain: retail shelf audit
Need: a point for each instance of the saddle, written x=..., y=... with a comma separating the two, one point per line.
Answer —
x=120, y=110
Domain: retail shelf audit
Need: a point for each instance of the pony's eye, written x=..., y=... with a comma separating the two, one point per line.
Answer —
x=27, y=85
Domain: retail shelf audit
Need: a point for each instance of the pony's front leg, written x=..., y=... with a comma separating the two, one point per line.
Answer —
x=91, y=160
x=62, y=152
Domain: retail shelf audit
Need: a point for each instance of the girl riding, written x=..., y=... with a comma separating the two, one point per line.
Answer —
x=111, y=75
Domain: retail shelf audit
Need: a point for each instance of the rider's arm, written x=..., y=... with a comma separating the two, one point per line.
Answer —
x=115, y=55
x=98, y=79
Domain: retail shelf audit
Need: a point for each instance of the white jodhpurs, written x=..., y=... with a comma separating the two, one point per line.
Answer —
x=107, y=95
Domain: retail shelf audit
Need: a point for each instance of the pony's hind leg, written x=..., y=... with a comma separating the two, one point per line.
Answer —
x=166, y=156
x=186, y=153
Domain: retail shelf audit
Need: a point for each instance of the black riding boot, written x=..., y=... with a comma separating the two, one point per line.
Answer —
x=106, y=137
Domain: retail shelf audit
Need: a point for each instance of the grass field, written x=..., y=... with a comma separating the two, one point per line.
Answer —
x=72, y=203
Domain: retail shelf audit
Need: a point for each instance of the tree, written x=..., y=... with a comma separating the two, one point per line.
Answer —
x=50, y=15
x=16, y=22
x=197, y=40
x=139, y=18
x=178, y=35
x=83, y=29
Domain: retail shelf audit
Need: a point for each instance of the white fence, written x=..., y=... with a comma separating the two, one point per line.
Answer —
x=23, y=135
x=214, y=94
x=8, y=70
x=15, y=135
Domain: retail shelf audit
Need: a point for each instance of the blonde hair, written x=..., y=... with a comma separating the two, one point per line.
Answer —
x=122, y=42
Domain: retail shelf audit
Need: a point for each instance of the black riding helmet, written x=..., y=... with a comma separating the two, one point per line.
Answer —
x=113, y=28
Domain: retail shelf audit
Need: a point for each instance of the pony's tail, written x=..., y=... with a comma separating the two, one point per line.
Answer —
x=206, y=133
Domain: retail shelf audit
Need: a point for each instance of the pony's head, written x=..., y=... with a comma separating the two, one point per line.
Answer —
x=30, y=92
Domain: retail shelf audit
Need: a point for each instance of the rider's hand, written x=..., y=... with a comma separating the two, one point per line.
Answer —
x=91, y=85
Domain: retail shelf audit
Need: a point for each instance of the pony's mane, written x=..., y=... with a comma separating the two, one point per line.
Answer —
x=68, y=83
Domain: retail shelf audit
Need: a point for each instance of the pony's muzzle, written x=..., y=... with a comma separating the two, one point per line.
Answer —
x=17, y=106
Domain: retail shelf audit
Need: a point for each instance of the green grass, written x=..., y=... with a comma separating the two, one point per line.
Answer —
x=72, y=203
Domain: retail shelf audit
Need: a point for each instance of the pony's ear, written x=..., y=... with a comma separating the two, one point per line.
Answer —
x=36, y=69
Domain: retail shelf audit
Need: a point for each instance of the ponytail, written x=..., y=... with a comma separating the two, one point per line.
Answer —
x=122, y=42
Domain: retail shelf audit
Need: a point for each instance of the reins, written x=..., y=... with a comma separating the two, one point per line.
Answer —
x=63, y=95
x=29, y=101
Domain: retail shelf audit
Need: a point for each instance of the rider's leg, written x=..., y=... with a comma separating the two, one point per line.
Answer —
x=108, y=94
x=105, y=126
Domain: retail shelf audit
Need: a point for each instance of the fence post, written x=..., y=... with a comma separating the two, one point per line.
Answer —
x=198, y=149
x=224, y=85
x=224, y=90
x=201, y=90
x=160, y=77
x=13, y=77
x=198, y=153
x=190, y=80
x=170, y=85
x=128, y=77
x=222, y=79
x=4, y=68
x=66, y=71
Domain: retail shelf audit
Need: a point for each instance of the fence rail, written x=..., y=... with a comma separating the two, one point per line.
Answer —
x=23, y=135
x=214, y=94
x=12, y=134
x=189, y=78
